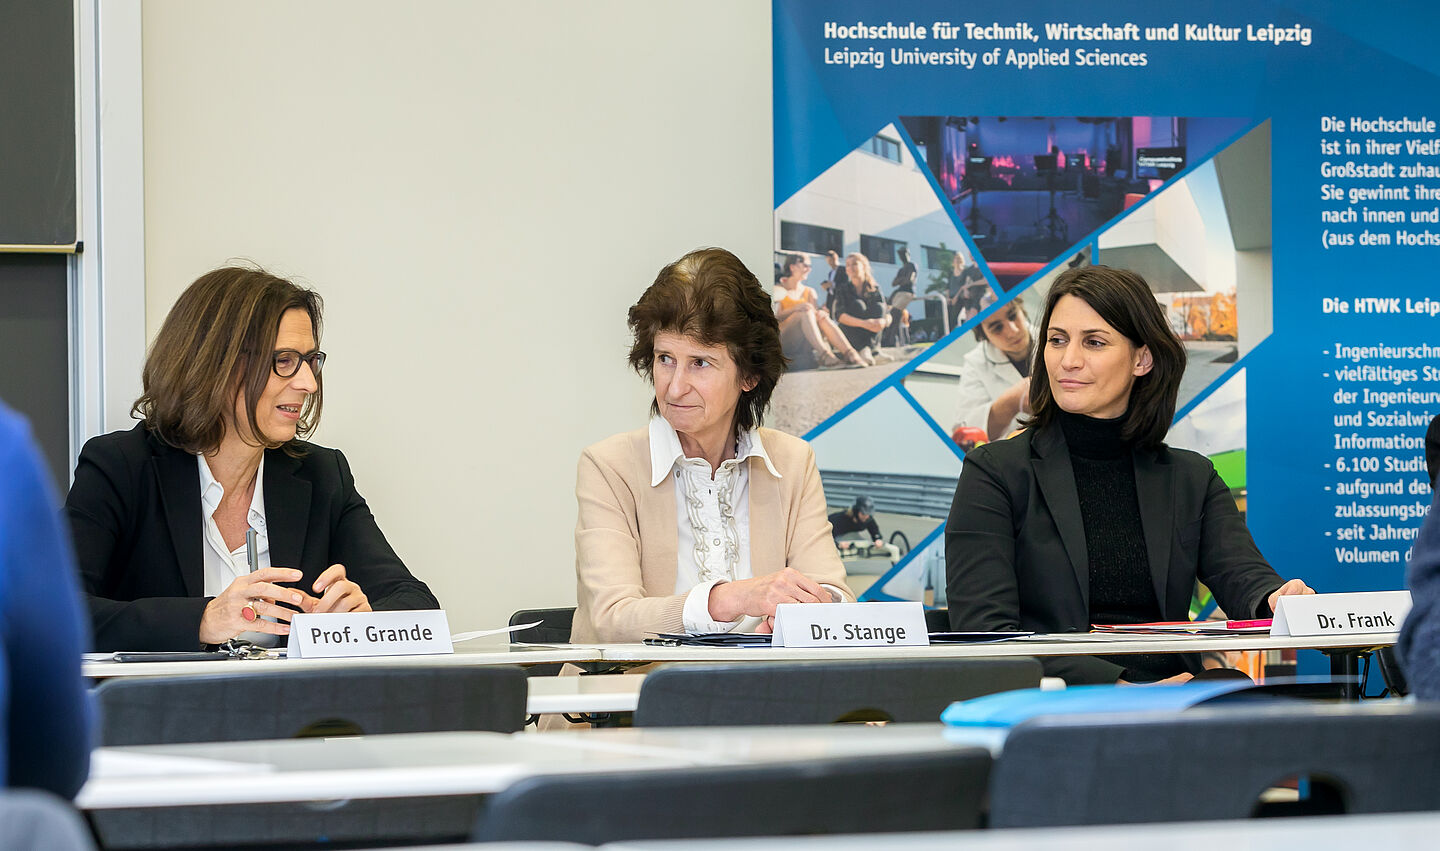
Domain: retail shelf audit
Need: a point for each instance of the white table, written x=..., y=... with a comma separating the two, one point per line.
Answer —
x=465, y=655
x=422, y=764
x=1078, y=644
x=1400, y=830
x=588, y=695
x=616, y=693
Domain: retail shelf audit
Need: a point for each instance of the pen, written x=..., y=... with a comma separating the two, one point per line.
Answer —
x=252, y=554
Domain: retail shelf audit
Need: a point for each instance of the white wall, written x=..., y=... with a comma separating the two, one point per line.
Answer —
x=479, y=190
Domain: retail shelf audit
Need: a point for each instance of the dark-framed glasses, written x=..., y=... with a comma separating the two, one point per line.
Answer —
x=287, y=362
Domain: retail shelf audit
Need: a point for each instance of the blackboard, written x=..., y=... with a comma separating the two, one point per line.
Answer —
x=34, y=351
x=37, y=132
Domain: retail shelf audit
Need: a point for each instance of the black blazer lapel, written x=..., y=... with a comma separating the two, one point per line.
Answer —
x=1050, y=461
x=1154, y=484
x=179, y=481
x=287, y=509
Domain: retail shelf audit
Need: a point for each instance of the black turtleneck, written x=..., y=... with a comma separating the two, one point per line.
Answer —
x=1121, y=588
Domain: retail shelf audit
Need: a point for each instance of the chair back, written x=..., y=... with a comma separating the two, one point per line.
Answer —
x=1215, y=763
x=261, y=705
x=697, y=695
x=31, y=820
x=929, y=791
x=937, y=620
x=554, y=626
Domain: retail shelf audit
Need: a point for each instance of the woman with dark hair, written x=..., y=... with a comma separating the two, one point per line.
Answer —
x=702, y=521
x=860, y=310
x=1086, y=516
x=807, y=333
x=160, y=512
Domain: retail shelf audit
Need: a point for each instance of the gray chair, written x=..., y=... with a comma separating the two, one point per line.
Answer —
x=1215, y=763
x=822, y=692
x=932, y=791
x=247, y=706
x=31, y=820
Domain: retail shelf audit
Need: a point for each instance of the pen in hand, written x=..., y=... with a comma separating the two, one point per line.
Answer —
x=252, y=557
x=252, y=552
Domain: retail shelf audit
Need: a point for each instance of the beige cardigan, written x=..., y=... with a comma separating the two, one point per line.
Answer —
x=625, y=535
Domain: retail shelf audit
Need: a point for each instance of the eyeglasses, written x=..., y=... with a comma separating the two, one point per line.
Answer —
x=287, y=362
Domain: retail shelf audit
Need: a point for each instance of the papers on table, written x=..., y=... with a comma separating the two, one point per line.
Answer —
x=480, y=633
x=1188, y=628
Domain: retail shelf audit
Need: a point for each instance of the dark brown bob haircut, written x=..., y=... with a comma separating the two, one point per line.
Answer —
x=1126, y=303
x=217, y=341
x=710, y=296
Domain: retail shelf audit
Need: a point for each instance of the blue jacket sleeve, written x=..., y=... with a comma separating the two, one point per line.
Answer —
x=1419, y=645
x=42, y=633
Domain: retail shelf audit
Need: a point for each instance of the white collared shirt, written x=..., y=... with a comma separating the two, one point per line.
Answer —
x=223, y=565
x=712, y=516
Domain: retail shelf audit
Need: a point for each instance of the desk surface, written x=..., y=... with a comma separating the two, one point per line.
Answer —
x=1400, y=830
x=465, y=654
x=597, y=693
x=1078, y=644
x=464, y=763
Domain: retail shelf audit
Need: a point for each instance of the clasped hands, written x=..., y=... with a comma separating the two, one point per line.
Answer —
x=224, y=617
x=759, y=596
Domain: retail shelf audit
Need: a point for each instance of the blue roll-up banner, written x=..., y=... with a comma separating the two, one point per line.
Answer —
x=1271, y=169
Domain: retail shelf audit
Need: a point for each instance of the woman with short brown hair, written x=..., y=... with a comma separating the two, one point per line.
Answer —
x=160, y=512
x=703, y=521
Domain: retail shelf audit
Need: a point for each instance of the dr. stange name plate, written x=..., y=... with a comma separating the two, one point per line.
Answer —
x=850, y=625
x=1353, y=613
x=416, y=633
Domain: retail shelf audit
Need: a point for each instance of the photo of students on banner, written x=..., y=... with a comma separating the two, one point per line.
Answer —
x=870, y=271
x=1027, y=189
x=1202, y=243
x=886, y=471
x=976, y=385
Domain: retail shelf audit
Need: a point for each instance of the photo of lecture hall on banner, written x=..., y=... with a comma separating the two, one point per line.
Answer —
x=1271, y=170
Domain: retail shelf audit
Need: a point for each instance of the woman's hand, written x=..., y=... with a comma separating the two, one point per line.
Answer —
x=224, y=616
x=1294, y=586
x=338, y=594
x=758, y=597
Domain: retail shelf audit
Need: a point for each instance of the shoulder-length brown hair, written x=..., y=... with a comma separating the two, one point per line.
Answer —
x=1126, y=303
x=219, y=340
x=709, y=295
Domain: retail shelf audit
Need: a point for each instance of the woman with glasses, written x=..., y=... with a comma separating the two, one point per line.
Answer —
x=161, y=513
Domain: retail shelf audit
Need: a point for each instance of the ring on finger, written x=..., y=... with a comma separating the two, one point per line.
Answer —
x=247, y=611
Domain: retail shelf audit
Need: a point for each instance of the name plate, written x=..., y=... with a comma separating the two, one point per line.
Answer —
x=850, y=625
x=1354, y=613
x=332, y=635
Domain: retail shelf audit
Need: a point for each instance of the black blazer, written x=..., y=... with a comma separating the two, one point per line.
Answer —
x=135, y=513
x=1015, y=543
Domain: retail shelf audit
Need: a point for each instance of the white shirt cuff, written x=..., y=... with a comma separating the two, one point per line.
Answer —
x=696, y=614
